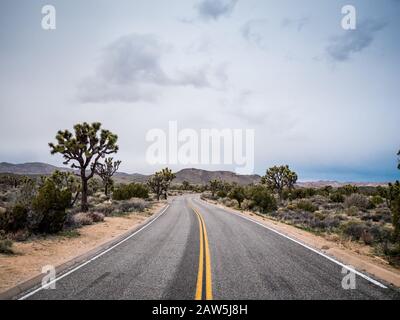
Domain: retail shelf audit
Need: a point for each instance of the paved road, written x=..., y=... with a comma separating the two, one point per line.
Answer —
x=195, y=250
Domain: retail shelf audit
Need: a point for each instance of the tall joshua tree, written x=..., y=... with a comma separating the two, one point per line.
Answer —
x=105, y=171
x=83, y=150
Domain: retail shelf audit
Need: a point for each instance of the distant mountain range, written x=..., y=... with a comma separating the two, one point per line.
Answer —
x=192, y=175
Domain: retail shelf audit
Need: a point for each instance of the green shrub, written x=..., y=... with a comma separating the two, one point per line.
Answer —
x=222, y=194
x=14, y=219
x=262, y=198
x=347, y=190
x=6, y=246
x=298, y=193
x=49, y=206
x=237, y=193
x=306, y=206
x=377, y=200
x=19, y=218
x=337, y=197
x=133, y=190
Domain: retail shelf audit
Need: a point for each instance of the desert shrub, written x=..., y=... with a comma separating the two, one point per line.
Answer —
x=105, y=208
x=383, y=214
x=354, y=229
x=138, y=205
x=347, y=190
x=262, y=199
x=133, y=190
x=324, y=191
x=337, y=197
x=14, y=219
x=228, y=202
x=50, y=205
x=306, y=206
x=380, y=233
x=96, y=216
x=19, y=235
x=377, y=200
x=352, y=211
x=247, y=204
x=332, y=222
x=357, y=200
x=25, y=193
x=367, y=237
x=6, y=246
x=18, y=218
x=222, y=194
x=298, y=193
x=82, y=219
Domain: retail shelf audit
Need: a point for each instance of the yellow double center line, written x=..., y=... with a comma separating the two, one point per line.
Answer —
x=204, y=252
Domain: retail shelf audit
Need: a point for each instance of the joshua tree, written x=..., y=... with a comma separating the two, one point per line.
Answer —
x=160, y=182
x=105, y=171
x=84, y=149
x=277, y=178
x=214, y=186
x=168, y=176
x=237, y=193
x=155, y=184
x=186, y=185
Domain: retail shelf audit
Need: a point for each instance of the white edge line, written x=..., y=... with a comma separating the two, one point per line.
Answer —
x=92, y=259
x=309, y=248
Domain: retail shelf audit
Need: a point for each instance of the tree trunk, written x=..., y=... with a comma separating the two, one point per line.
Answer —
x=75, y=198
x=106, y=189
x=84, y=203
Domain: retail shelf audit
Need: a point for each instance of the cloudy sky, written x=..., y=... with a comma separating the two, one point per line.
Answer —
x=322, y=99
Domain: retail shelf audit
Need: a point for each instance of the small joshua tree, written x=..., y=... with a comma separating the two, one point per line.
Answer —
x=84, y=149
x=215, y=185
x=168, y=176
x=105, y=171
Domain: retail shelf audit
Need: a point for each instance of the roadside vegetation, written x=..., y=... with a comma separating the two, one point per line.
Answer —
x=369, y=215
x=61, y=203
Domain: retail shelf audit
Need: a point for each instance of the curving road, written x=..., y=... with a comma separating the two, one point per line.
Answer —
x=195, y=250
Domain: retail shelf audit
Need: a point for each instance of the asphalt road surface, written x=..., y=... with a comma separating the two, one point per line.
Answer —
x=195, y=250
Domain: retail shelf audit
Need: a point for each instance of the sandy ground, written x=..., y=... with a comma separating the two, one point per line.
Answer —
x=351, y=253
x=31, y=256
